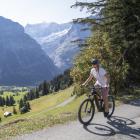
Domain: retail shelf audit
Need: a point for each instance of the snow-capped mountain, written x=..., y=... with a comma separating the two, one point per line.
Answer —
x=53, y=36
x=22, y=60
x=45, y=29
x=58, y=43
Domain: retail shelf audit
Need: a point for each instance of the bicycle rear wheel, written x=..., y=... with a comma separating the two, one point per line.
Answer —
x=86, y=111
x=111, y=103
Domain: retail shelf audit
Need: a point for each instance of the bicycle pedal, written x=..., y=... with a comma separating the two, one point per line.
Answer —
x=101, y=110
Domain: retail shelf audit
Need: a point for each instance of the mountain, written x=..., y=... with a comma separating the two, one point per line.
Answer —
x=22, y=60
x=57, y=42
x=45, y=29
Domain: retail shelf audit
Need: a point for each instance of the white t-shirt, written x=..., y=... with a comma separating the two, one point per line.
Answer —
x=101, y=80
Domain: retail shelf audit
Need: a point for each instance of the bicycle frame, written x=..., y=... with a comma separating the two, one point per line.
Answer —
x=96, y=96
x=87, y=107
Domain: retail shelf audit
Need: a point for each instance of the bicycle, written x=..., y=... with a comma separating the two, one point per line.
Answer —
x=87, y=108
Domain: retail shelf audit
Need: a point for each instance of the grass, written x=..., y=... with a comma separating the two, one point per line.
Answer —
x=43, y=119
x=128, y=95
x=17, y=96
x=40, y=117
x=38, y=105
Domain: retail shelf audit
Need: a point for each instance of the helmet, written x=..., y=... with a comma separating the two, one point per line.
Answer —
x=94, y=61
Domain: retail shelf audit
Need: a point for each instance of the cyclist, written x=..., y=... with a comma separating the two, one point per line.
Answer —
x=102, y=80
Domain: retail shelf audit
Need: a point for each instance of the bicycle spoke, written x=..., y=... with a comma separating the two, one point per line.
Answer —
x=86, y=111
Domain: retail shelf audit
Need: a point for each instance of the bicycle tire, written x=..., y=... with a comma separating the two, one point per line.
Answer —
x=86, y=101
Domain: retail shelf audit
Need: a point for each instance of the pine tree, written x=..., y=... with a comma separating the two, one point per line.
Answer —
x=28, y=96
x=36, y=93
x=7, y=102
x=14, y=110
x=40, y=87
x=11, y=101
x=4, y=102
x=1, y=101
x=28, y=106
x=45, y=88
x=21, y=103
x=24, y=98
x=32, y=95
x=120, y=22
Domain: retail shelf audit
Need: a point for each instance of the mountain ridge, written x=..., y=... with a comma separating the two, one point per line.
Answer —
x=22, y=60
x=60, y=47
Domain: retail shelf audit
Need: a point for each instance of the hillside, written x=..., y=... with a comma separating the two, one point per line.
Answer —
x=22, y=61
x=46, y=111
x=56, y=40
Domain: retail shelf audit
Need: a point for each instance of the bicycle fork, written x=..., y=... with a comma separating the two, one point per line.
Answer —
x=89, y=110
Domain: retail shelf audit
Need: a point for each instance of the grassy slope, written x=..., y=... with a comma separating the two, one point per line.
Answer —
x=38, y=105
x=10, y=109
x=42, y=119
x=39, y=118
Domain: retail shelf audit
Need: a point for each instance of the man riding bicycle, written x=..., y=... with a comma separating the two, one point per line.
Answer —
x=102, y=80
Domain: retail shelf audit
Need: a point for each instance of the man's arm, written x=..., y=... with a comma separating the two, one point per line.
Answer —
x=108, y=78
x=88, y=80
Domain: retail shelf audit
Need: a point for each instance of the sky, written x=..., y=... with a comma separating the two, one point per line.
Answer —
x=37, y=11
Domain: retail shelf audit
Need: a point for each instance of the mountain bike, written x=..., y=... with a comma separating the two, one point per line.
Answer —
x=87, y=108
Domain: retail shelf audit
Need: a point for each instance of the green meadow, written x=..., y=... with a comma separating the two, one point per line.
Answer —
x=45, y=112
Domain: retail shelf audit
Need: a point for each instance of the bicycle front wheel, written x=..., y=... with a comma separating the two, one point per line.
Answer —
x=86, y=111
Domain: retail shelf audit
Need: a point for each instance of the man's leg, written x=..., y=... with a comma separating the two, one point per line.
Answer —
x=105, y=98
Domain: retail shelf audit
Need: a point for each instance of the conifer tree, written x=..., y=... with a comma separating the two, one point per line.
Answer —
x=1, y=101
x=7, y=102
x=14, y=110
x=119, y=21
x=4, y=102
x=24, y=98
x=11, y=100
x=28, y=106
x=45, y=88
x=36, y=93
x=21, y=103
